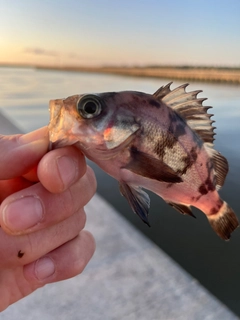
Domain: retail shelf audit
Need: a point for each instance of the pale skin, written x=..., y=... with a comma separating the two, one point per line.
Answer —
x=42, y=195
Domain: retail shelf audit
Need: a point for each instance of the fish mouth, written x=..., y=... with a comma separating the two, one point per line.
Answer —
x=59, y=129
x=55, y=107
x=50, y=146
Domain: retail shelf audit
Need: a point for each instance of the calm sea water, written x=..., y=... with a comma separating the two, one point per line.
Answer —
x=24, y=96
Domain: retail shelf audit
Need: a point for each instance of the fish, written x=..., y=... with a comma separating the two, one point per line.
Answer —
x=162, y=142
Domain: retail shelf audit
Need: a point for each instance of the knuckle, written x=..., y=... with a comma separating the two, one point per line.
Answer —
x=87, y=249
x=68, y=201
x=92, y=182
x=82, y=191
x=83, y=217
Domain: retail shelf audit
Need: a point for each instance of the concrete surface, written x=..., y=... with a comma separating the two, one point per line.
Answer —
x=129, y=278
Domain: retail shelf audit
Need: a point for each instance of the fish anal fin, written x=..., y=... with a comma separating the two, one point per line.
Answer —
x=147, y=166
x=182, y=208
x=138, y=200
x=190, y=107
x=224, y=222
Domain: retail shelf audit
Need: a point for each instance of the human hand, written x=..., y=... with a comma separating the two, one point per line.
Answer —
x=42, y=196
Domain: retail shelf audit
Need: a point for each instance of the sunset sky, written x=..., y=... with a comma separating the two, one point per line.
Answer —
x=120, y=32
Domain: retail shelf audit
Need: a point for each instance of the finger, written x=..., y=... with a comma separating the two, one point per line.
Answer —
x=61, y=168
x=64, y=262
x=20, y=153
x=36, y=208
x=24, y=249
x=31, y=175
x=8, y=187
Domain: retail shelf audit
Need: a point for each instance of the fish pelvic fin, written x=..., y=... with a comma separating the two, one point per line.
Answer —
x=182, y=208
x=224, y=222
x=138, y=200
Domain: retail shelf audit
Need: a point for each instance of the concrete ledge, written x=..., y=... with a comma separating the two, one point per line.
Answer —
x=128, y=278
x=6, y=126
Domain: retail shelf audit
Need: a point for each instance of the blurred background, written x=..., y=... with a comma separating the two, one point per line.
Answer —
x=56, y=34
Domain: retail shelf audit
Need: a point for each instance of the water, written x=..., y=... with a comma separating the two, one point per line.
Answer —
x=24, y=96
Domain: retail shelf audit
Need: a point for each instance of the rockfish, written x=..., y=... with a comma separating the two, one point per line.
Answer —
x=161, y=142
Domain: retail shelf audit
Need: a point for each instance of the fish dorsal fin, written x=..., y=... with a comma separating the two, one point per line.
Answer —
x=190, y=108
x=195, y=114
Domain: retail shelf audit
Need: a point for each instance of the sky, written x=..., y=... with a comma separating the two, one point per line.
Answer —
x=120, y=32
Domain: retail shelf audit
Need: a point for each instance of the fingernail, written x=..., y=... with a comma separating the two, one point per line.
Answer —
x=67, y=169
x=44, y=268
x=23, y=213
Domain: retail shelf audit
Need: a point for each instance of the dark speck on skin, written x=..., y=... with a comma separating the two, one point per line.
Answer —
x=20, y=254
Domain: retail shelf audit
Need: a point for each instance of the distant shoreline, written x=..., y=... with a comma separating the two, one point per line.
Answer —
x=186, y=73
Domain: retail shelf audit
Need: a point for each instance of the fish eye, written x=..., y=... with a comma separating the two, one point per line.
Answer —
x=89, y=106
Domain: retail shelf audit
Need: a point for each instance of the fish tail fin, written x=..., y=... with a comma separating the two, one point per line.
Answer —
x=223, y=222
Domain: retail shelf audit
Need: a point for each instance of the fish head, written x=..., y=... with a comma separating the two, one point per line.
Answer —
x=92, y=121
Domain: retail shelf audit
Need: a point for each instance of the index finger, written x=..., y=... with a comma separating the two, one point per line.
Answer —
x=21, y=152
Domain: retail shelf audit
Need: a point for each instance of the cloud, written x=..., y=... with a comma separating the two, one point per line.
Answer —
x=59, y=57
x=43, y=52
x=73, y=55
x=40, y=51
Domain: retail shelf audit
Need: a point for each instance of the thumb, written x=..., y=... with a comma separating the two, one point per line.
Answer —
x=19, y=153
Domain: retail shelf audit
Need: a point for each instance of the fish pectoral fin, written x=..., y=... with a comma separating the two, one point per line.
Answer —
x=152, y=168
x=138, y=200
x=182, y=208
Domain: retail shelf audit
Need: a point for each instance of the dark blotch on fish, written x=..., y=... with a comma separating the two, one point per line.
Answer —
x=177, y=126
x=159, y=148
x=202, y=189
x=215, y=209
x=189, y=160
x=194, y=154
x=154, y=103
x=209, y=184
x=180, y=130
x=206, y=186
x=170, y=141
